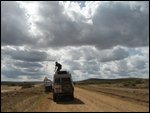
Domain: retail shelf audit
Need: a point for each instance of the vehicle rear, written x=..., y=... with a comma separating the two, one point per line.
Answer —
x=63, y=86
x=48, y=85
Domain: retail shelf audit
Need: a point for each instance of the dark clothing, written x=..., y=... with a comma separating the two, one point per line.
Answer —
x=59, y=66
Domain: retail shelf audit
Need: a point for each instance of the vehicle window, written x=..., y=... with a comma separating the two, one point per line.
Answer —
x=57, y=80
x=66, y=80
x=62, y=72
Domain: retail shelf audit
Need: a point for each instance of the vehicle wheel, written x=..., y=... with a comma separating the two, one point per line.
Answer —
x=72, y=97
x=54, y=97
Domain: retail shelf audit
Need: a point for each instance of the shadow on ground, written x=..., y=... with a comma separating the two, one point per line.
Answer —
x=66, y=101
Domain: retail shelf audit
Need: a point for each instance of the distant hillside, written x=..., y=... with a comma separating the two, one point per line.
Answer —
x=14, y=83
x=113, y=81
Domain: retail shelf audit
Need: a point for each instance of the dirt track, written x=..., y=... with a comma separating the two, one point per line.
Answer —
x=87, y=101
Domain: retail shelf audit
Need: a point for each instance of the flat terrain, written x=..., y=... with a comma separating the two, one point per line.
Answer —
x=140, y=96
x=89, y=101
x=88, y=98
x=5, y=88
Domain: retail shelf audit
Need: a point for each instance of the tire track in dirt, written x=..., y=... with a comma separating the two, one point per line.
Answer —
x=88, y=101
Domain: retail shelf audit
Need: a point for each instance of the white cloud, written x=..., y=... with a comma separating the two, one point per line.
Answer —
x=133, y=66
x=109, y=22
x=92, y=39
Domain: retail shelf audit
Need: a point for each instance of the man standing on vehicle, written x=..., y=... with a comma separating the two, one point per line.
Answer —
x=58, y=66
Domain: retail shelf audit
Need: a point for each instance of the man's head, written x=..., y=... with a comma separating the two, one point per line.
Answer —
x=56, y=62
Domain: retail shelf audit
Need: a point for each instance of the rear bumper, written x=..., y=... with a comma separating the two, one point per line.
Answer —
x=64, y=94
x=48, y=88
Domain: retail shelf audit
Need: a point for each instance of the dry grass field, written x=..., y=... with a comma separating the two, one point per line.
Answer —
x=89, y=97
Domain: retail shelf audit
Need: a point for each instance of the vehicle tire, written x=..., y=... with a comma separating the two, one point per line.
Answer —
x=54, y=97
x=72, y=97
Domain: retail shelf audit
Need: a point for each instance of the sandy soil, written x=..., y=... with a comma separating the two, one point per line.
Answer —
x=5, y=88
x=137, y=95
x=103, y=100
x=88, y=101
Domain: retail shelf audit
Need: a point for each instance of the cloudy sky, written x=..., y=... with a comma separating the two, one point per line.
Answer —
x=90, y=39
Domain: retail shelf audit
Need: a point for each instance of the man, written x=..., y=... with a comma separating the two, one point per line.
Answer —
x=58, y=66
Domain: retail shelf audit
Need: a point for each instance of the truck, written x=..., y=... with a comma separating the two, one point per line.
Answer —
x=63, y=86
x=47, y=85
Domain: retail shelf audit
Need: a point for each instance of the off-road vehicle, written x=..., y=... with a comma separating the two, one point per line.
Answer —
x=47, y=85
x=63, y=86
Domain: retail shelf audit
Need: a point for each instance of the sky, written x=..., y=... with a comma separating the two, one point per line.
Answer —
x=91, y=39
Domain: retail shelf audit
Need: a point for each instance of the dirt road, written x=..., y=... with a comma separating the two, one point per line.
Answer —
x=87, y=101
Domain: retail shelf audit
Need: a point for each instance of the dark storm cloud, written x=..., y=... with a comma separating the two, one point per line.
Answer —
x=28, y=64
x=116, y=53
x=114, y=23
x=17, y=69
x=27, y=55
x=32, y=70
x=119, y=24
x=58, y=29
x=73, y=64
x=23, y=62
x=112, y=26
x=13, y=72
x=14, y=25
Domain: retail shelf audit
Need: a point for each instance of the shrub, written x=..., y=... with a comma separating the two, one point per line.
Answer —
x=126, y=84
x=129, y=84
x=27, y=86
x=12, y=84
x=138, y=81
